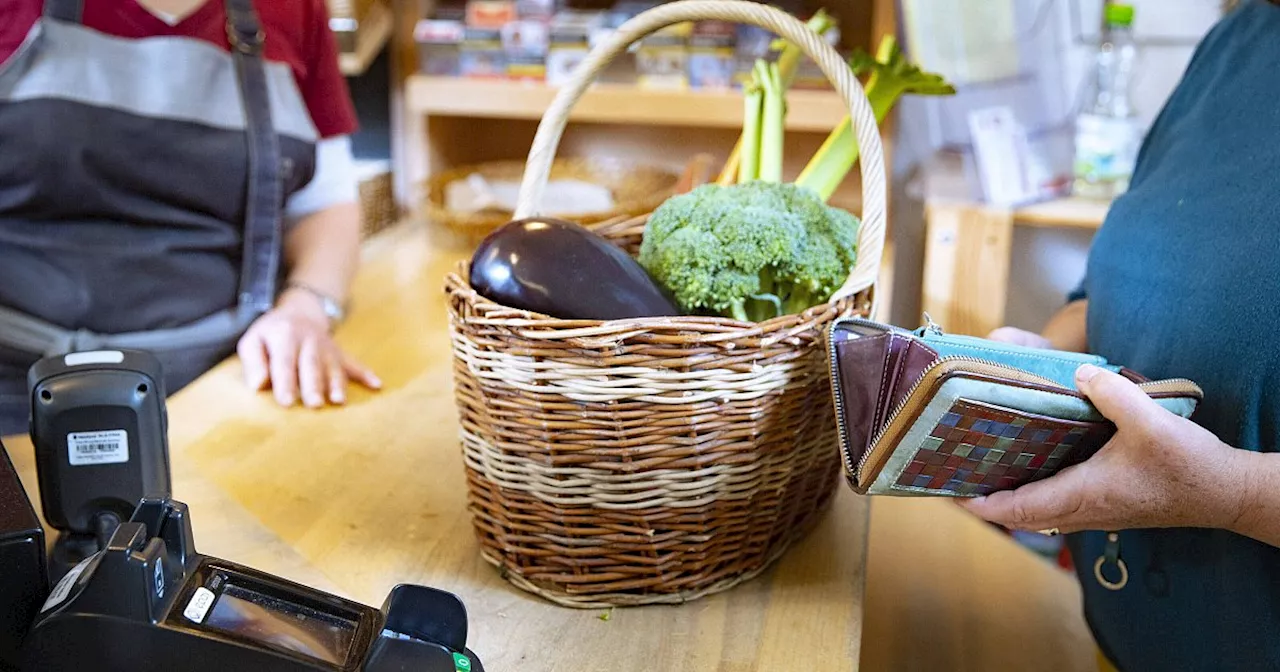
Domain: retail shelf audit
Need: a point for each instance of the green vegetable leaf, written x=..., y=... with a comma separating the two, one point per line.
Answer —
x=891, y=77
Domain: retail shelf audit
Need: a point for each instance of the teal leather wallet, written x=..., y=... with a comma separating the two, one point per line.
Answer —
x=929, y=413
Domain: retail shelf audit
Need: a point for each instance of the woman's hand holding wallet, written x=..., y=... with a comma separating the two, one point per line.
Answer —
x=926, y=413
x=1158, y=470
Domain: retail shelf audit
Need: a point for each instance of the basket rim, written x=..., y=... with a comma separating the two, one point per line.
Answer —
x=711, y=329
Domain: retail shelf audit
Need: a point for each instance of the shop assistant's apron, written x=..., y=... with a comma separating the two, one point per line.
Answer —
x=141, y=188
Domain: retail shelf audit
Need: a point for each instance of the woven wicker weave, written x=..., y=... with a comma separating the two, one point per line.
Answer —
x=652, y=460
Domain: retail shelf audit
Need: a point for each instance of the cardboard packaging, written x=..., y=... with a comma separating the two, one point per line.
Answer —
x=711, y=55
x=524, y=46
x=490, y=14
x=570, y=40
x=663, y=59
x=439, y=46
x=481, y=55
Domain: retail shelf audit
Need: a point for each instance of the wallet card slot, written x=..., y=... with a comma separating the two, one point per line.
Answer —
x=861, y=370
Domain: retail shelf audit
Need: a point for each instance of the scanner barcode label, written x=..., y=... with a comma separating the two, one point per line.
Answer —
x=89, y=448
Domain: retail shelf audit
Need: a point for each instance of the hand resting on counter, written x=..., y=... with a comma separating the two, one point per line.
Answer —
x=291, y=348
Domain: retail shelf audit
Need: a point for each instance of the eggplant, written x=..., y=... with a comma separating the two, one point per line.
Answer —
x=561, y=269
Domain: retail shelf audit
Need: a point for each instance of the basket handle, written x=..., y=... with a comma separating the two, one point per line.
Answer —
x=870, y=234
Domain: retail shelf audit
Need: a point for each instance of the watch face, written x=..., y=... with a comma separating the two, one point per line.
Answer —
x=333, y=310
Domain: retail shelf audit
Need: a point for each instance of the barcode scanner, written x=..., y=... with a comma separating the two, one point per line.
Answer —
x=99, y=428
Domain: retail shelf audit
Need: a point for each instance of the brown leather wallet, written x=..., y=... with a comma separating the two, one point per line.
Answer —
x=925, y=413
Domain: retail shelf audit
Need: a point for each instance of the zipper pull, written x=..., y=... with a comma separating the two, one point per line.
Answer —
x=931, y=327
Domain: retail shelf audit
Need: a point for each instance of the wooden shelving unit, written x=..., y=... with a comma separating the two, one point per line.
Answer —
x=441, y=123
x=816, y=111
x=967, y=248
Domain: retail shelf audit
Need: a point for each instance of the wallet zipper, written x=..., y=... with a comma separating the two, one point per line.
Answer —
x=842, y=432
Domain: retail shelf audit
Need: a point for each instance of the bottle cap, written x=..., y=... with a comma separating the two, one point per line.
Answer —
x=1118, y=15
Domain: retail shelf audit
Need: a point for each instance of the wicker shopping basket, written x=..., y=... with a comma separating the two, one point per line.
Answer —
x=652, y=460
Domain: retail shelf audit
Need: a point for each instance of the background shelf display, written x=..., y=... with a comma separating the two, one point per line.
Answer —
x=817, y=111
x=441, y=121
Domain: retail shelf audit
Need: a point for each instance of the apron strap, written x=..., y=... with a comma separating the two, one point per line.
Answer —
x=62, y=10
x=263, y=226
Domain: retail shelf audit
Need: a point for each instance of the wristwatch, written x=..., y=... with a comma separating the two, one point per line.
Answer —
x=332, y=309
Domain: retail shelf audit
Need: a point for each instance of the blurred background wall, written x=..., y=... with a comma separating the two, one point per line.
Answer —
x=1033, y=56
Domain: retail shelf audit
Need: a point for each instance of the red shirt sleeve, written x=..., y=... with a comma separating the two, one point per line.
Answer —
x=324, y=89
x=16, y=19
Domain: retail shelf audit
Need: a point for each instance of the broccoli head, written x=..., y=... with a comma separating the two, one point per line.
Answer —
x=750, y=251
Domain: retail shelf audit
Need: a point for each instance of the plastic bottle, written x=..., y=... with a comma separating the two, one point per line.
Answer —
x=1107, y=132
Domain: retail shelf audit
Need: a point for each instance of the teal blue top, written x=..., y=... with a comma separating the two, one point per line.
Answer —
x=1184, y=281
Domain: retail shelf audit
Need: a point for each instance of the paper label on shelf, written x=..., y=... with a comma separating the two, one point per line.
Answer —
x=1000, y=149
x=63, y=590
x=93, y=448
x=199, y=605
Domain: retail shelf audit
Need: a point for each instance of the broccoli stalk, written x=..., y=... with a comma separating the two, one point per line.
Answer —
x=788, y=63
x=892, y=77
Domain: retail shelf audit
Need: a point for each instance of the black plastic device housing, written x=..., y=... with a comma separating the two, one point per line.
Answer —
x=99, y=426
x=23, y=582
x=147, y=602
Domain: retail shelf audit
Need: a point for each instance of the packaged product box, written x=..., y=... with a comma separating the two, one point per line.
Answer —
x=752, y=43
x=481, y=55
x=536, y=9
x=570, y=41
x=810, y=77
x=711, y=55
x=451, y=11
x=490, y=14
x=755, y=43
x=524, y=45
x=662, y=61
x=439, y=46
x=624, y=69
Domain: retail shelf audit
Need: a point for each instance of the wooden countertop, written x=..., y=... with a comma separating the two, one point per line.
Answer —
x=358, y=499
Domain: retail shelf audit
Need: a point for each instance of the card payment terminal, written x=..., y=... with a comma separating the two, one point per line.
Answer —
x=150, y=602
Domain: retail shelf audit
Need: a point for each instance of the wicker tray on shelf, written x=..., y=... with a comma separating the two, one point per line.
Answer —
x=653, y=460
x=636, y=189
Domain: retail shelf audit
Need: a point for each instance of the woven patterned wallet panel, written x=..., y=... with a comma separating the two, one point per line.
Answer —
x=977, y=449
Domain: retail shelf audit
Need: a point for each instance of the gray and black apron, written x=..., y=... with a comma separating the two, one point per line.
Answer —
x=142, y=183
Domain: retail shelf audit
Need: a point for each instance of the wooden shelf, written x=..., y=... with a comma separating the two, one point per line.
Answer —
x=1070, y=211
x=813, y=111
x=371, y=37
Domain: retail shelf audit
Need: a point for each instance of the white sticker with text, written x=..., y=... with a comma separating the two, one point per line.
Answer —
x=90, y=448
